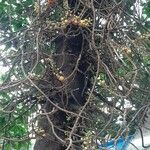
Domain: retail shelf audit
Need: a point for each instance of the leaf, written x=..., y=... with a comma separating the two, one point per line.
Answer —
x=19, y=9
x=28, y=3
x=39, y=69
x=17, y=130
x=17, y=24
x=147, y=24
x=7, y=146
x=2, y=121
x=146, y=9
x=2, y=6
x=4, y=95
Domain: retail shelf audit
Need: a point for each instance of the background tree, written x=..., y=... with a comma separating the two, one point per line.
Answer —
x=72, y=68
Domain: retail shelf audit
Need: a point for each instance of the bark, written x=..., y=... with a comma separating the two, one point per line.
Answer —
x=70, y=93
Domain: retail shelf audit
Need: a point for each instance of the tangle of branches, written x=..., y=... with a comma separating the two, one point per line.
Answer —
x=72, y=71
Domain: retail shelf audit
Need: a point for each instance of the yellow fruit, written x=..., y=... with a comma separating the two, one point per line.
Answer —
x=75, y=22
x=65, y=21
x=82, y=21
x=61, y=78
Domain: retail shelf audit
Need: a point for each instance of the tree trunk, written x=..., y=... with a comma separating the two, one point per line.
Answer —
x=70, y=85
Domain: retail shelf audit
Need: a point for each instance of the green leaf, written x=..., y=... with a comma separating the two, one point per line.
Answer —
x=2, y=121
x=7, y=146
x=147, y=24
x=39, y=69
x=17, y=130
x=17, y=24
x=28, y=2
x=4, y=95
x=147, y=9
x=19, y=9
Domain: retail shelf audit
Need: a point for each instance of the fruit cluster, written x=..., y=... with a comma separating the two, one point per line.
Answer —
x=76, y=20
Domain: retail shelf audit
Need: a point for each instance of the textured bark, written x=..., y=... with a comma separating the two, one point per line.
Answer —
x=71, y=61
x=71, y=96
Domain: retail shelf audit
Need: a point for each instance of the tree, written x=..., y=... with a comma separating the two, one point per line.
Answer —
x=72, y=66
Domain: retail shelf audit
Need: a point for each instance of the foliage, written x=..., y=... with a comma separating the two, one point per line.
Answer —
x=118, y=58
